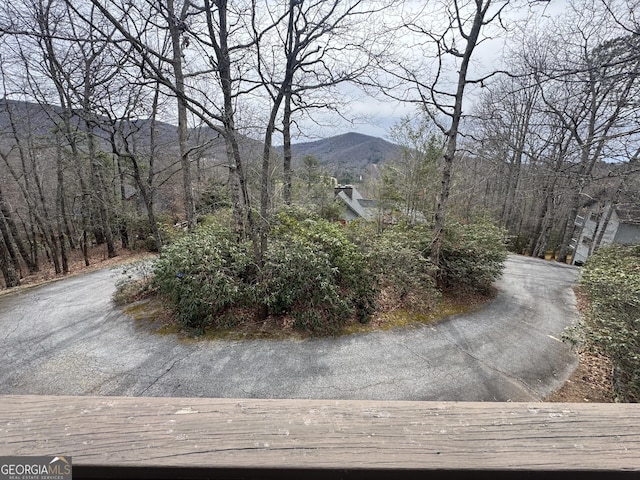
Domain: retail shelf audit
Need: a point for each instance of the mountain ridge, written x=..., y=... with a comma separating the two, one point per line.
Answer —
x=347, y=155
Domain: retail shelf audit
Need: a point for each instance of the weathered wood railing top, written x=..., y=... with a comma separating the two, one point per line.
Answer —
x=115, y=437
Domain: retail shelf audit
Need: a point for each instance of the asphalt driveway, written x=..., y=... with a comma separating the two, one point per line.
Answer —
x=67, y=338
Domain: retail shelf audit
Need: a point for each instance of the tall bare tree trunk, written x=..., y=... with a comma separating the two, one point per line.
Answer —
x=60, y=206
x=14, y=236
x=31, y=188
x=100, y=194
x=148, y=195
x=286, y=136
x=452, y=133
x=12, y=255
x=240, y=195
x=175, y=23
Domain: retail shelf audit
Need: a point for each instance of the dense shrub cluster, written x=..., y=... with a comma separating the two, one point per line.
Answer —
x=611, y=281
x=401, y=269
x=472, y=255
x=318, y=273
x=315, y=272
x=203, y=276
x=311, y=272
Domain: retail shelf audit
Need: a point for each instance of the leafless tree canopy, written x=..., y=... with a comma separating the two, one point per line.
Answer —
x=121, y=116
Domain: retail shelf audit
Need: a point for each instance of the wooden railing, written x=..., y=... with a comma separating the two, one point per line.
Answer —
x=115, y=437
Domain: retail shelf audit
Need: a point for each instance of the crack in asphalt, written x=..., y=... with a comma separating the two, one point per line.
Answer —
x=414, y=353
x=14, y=329
x=166, y=371
x=512, y=378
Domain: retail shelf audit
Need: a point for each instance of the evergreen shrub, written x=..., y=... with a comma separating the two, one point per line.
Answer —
x=611, y=280
x=203, y=276
x=472, y=256
x=310, y=271
x=314, y=273
x=312, y=265
x=402, y=270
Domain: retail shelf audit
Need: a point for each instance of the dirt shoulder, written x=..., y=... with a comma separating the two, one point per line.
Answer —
x=591, y=382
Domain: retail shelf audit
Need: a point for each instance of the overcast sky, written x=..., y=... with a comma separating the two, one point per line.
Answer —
x=375, y=115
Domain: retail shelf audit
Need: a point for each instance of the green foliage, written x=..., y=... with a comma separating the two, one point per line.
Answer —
x=313, y=186
x=312, y=264
x=611, y=281
x=320, y=274
x=311, y=172
x=311, y=272
x=203, y=275
x=297, y=279
x=402, y=270
x=330, y=210
x=214, y=196
x=518, y=243
x=389, y=193
x=413, y=176
x=168, y=230
x=473, y=256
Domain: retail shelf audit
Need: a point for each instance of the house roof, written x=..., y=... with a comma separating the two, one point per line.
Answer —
x=355, y=202
x=628, y=213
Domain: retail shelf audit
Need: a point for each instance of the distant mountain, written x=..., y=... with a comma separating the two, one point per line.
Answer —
x=41, y=120
x=347, y=154
x=347, y=157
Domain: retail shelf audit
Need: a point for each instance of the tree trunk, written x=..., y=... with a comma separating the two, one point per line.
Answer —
x=237, y=197
x=14, y=236
x=569, y=227
x=183, y=133
x=10, y=250
x=452, y=137
x=100, y=191
x=286, y=135
x=46, y=223
x=148, y=195
x=121, y=217
x=60, y=207
x=242, y=202
x=11, y=277
x=33, y=194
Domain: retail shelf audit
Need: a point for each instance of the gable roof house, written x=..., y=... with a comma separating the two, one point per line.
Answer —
x=356, y=206
x=605, y=224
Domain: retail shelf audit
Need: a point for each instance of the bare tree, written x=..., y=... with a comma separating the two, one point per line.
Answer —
x=588, y=87
x=323, y=44
x=135, y=160
x=153, y=37
x=176, y=23
x=96, y=73
x=307, y=37
x=546, y=135
x=446, y=37
x=9, y=272
x=416, y=167
x=529, y=150
x=54, y=60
